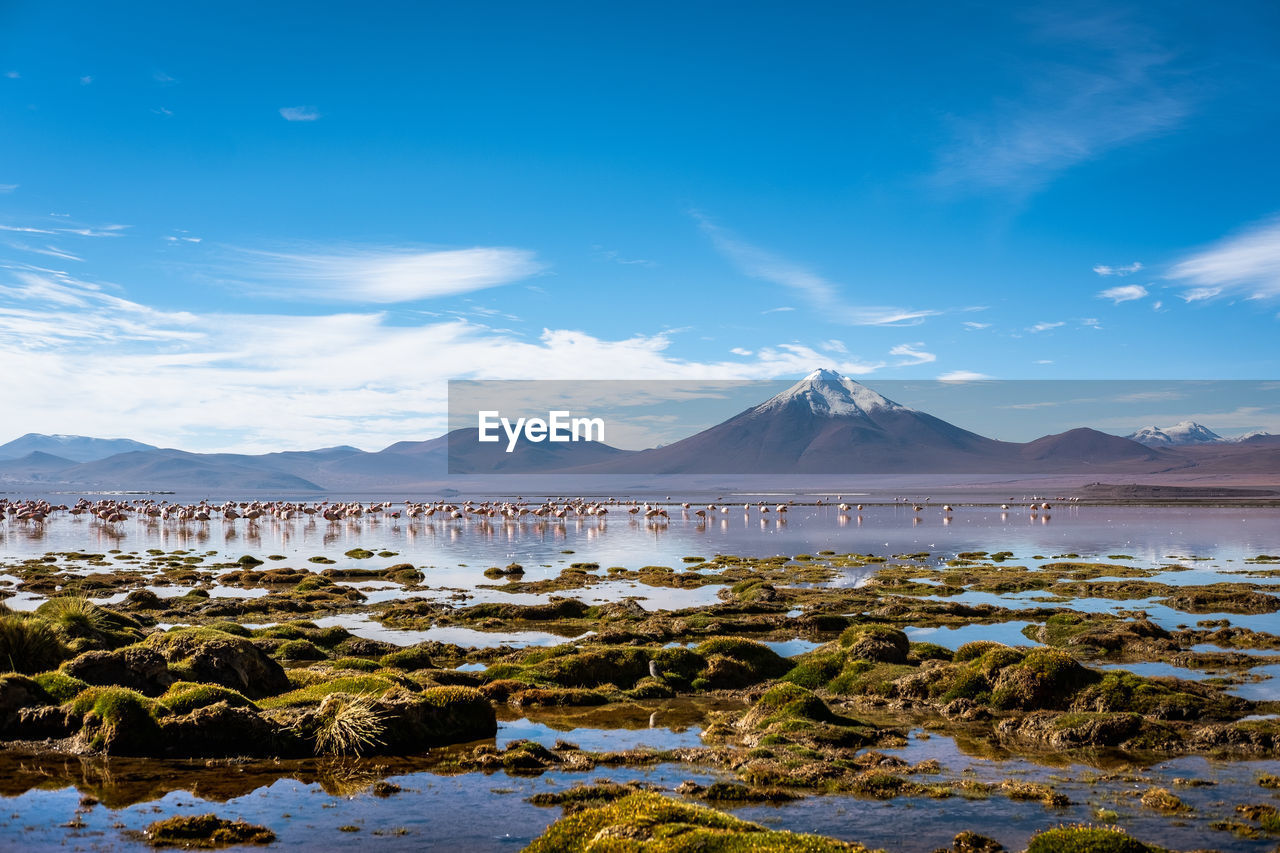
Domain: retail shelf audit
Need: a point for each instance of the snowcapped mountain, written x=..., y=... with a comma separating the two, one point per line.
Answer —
x=1181, y=434
x=825, y=423
x=826, y=392
x=1255, y=435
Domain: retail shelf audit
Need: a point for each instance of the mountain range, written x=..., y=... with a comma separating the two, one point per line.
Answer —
x=823, y=424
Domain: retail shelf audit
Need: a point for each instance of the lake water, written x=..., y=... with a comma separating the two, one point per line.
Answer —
x=476, y=811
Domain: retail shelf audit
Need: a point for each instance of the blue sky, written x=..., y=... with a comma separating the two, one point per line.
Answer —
x=267, y=226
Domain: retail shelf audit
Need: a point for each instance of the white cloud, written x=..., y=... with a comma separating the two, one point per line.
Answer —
x=1044, y=361
x=777, y=310
x=822, y=295
x=163, y=78
x=1123, y=293
x=833, y=345
x=12, y=75
x=299, y=113
x=1120, y=88
x=912, y=354
x=740, y=351
x=1246, y=265
x=257, y=382
x=386, y=275
x=1091, y=322
x=973, y=327
x=1044, y=327
x=1128, y=269
x=162, y=111
x=8, y=188
x=962, y=376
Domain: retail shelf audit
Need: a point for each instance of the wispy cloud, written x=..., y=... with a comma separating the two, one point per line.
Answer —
x=912, y=354
x=8, y=188
x=12, y=75
x=1091, y=323
x=962, y=376
x=1245, y=265
x=1128, y=269
x=740, y=351
x=385, y=275
x=86, y=80
x=821, y=294
x=71, y=230
x=778, y=310
x=1044, y=327
x=1123, y=293
x=51, y=251
x=163, y=78
x=973, y=327
x=1118, y=87
x=299, y=113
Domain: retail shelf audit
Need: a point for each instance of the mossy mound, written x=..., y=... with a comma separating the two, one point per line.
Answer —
x=1088, y=839
x=205, y=831
x=185, y=696
x=877, y=643
x=117, y=720
x=210, y=656
x=789, y=714
x=645, y=821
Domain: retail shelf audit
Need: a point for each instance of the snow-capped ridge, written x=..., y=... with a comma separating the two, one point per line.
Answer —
x=828, y=393
x=1179, y=435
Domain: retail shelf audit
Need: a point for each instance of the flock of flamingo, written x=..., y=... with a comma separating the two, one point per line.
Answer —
x=37, y=511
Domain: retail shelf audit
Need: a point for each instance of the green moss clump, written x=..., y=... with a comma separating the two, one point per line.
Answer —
x=355, y=685
x=248, y=561
x=117, y=720
x=62, y=688
x=875, y=642
x=1087, y=839
x=206, y=831
x=1044, y=679
x=645, y=821
x=735, y=662
x=299, y=650
x=930, y=651
x=359, y=554
x=816, y=669
x=360, y=664
x=183, y=697
x=408, y=659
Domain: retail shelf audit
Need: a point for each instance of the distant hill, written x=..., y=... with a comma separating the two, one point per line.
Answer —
x=823, y=424
x=78, y=448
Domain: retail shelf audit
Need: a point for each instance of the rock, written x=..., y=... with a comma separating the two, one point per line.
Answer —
x=136, y=667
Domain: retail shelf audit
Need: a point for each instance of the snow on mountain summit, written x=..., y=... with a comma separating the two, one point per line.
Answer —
x=828, y=393
x=1179, y=435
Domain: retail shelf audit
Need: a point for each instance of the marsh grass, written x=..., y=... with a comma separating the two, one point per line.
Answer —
x=348, y=725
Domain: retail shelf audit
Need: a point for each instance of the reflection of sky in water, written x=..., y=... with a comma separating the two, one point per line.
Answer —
x=362, y=626
x=1009, y=633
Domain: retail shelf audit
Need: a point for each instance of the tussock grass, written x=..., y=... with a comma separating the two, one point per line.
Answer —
x=348, y=725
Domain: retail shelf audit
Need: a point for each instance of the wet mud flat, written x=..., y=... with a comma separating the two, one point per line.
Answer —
x=902, y=701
